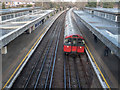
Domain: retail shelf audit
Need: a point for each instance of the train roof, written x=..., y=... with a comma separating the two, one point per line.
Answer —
x=70, y=28
x=74, y=36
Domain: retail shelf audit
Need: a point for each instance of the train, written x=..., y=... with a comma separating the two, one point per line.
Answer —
x=74, y=42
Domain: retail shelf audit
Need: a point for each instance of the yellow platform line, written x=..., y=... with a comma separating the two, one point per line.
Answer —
x=24, y=59
x=97, y=67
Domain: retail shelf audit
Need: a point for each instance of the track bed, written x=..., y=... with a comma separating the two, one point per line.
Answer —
x=48, y=67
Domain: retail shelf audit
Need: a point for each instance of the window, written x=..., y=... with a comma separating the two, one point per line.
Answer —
x=11, y=16
x=8, y=16
x=3, y=18
x=112, y=17
x=74, y=42
x=96, y=13
x=80, y=42
x=104, y=15
x=107, y=16
x=67, y=41
x=30, y=11
x=24, y=13
x=16, y=15
x=75, y=36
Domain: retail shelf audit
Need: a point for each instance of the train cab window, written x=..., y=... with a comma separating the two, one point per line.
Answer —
x=67, y=41
x=74, y=41
x=75, y=36
x=80, y=42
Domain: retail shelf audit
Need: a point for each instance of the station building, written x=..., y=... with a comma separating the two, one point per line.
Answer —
x=104, y=23
x=112, y=14
x=6, y=14
x=15, y=21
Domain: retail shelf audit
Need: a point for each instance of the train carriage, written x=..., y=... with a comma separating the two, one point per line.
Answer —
x=73, y=40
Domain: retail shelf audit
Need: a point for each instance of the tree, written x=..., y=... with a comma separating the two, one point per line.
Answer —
x=29, y=5
x=108, y=4
x=22, y=5
x=3, y=5
x=119, y=4
x=91, y=4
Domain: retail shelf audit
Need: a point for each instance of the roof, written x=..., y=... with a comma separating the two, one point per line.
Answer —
x=107, y=31
x=13, y=10
x=11, y=29
x=106, y=10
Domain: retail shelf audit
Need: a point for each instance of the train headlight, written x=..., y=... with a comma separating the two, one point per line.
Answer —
x=67, y=46
x=80, y=47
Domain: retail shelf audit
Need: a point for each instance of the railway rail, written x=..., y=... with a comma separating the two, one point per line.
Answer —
x=39, y=72
x=103, y=82
x=76, y=73
x=41, y=68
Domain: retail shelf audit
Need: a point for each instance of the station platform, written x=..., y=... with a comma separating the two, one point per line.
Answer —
x=12, y=28
x=109, y=65
x=105, y=30
x=19, y=47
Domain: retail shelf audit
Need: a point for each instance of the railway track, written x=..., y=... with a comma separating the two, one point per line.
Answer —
x=75, y=72
x=38, y=73
x=49, y=68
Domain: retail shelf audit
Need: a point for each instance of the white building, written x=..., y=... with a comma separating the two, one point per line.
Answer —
x=17, y=3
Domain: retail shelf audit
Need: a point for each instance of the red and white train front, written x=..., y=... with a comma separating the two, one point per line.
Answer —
x=74, y=44
x=73, y=41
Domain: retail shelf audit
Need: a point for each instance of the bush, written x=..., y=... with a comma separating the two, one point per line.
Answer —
x=3, y=5
x=29, y=5
x=22, y=5
x=51, y=14
x=91, y=4
x=108, y=5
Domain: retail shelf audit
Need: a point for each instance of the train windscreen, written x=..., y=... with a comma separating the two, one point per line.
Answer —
x=67, y=41
x=74, y=42
x=75, y=36
x=80, y=42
